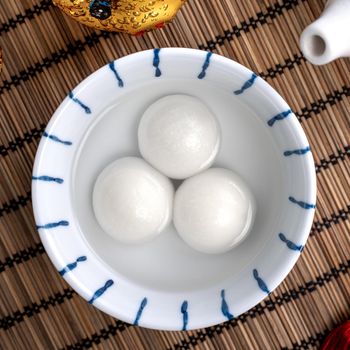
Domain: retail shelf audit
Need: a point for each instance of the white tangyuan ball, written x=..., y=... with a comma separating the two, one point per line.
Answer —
x=179, y=136
x=214, y=210
x=132, y=201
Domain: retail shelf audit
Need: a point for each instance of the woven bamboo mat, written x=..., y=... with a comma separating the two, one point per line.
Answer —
x=46, y=54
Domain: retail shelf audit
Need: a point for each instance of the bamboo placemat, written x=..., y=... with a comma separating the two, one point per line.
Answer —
x=46, y=54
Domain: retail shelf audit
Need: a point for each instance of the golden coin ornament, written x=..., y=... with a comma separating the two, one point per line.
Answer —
x=128, y=16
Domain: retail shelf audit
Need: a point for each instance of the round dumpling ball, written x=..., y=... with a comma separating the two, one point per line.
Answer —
x=179, y=136
x=214, y=210
x=132, y=201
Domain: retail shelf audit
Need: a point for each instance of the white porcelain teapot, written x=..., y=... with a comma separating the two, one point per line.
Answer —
x=328, y=37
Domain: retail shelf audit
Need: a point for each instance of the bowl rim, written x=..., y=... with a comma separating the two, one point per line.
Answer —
x=94, y=292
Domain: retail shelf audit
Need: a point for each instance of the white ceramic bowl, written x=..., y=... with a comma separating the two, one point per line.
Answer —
x=165, y=284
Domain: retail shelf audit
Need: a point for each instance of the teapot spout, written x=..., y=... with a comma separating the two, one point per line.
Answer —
x=328, y=38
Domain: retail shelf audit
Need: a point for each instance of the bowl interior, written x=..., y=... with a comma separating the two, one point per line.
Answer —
x=167, y=263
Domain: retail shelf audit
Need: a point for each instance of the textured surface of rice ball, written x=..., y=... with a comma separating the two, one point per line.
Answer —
x=132, y=201
x=179, y=136
x=214, y=210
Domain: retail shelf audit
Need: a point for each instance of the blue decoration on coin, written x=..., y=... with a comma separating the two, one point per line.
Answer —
x=100, y=9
